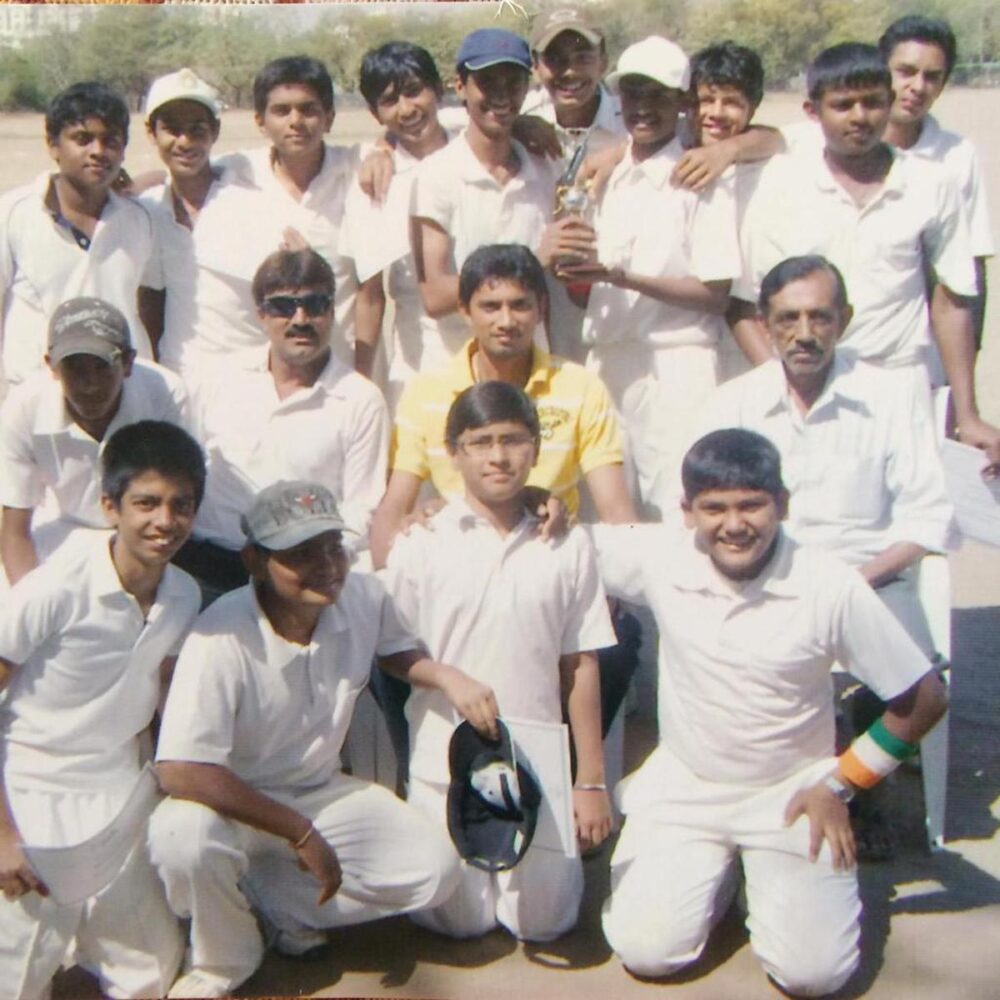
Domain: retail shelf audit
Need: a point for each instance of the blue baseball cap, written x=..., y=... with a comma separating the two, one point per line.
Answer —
x=491, y=46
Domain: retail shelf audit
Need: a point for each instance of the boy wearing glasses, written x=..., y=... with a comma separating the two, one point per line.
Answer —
x=525, y=618
x=299, y=413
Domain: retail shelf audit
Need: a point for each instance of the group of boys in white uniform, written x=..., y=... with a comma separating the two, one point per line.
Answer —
x=296, y=643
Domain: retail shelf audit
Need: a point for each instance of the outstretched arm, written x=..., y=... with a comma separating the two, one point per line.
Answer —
x=17, y=550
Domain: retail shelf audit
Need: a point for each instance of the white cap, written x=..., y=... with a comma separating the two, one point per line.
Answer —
x=183, y=85
x=659, y=59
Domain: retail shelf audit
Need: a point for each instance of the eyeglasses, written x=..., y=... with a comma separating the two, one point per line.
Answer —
x=482, y=445
x=286, y=306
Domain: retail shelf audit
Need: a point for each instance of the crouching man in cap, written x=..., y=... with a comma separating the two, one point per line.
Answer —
x=750, y=625
x=261, y=818
x=521, y=615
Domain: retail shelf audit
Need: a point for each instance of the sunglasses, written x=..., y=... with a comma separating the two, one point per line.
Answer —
x=286, y=306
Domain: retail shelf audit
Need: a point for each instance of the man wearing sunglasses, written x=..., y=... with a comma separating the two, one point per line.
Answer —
x=300, y=413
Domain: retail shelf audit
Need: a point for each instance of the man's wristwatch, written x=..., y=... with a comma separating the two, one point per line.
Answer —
x=843, y=791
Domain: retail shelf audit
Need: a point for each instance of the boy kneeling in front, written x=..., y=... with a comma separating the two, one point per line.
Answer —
x=261, y=818
x=750, y=625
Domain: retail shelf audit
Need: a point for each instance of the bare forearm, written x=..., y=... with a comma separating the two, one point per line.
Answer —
x=952, y=324
x=220, y=789
x=759, y=142
x=685, y=293
x=749, y=332
x=152, y=305
x=889, y=563
x=17, y=550
x=368, y=316
x=610, y=494
x=440, y=295
x=914, y=713
x=582, y=693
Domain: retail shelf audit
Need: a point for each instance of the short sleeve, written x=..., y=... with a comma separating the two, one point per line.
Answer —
x=152, y=274
x=21, y=482
x=433, y=195
x=200, y=715
x=600, y=439
x=947, y=242
x=394, y=635
x=871, y=644
x=974, y=192
x=621, y=550
x=588, y=625
x=409, y=437
x=714, y=237
x=32, y=612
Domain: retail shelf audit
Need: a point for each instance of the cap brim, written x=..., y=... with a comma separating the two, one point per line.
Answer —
x=68, y=346
x=475, y=65
x=212, y=109
x=545, y=40
x=295, y=534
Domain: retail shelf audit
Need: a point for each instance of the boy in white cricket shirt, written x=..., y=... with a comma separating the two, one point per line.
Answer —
x=517, y=614
x=86, y=645
x=750, y=626
x=261, y=813
x=68, y=233
x=55, y=424
x=666, y=257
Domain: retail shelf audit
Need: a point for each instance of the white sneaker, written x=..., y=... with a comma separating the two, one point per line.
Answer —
x=198, y=983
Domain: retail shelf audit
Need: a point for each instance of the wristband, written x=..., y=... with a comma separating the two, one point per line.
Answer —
x=596, y=787
x=873, y=756
x=304, y=839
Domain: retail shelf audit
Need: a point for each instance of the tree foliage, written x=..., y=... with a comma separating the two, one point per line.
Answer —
x=128, y=46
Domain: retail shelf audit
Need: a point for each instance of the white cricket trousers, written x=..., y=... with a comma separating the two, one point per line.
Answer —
x=125, y=935
x=671, y=863
x=393, y=861
x=537, y=900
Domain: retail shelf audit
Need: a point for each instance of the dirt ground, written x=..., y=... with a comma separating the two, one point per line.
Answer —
x=932, y=921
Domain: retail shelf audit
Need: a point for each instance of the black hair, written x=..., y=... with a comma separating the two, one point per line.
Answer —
x=394, y=65
x=727, y=64
x=291, y=269
x=82, y=101
x=151, y=446
x=795, y=269
x=846, y=66
x=732, y=459
x=914, y=28
x=501, y=262
x=290, y=70
x=489, y=403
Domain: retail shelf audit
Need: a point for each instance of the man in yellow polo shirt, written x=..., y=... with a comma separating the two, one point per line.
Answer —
x=502, y=296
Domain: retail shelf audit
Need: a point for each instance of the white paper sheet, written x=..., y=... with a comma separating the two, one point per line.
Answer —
x=977, y=502
x=543, y=747
x=77, y=872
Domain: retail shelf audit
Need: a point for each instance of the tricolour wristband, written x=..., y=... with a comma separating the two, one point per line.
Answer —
x=873, y=755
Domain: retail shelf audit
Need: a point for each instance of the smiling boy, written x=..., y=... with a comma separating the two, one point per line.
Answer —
x=195, y=298
x=666, y=256
x=484, y=187
x=68, y=233
x=55, y=425
x=86, y=645
x=402, y=87
x=261, y=814
x=750, y=626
